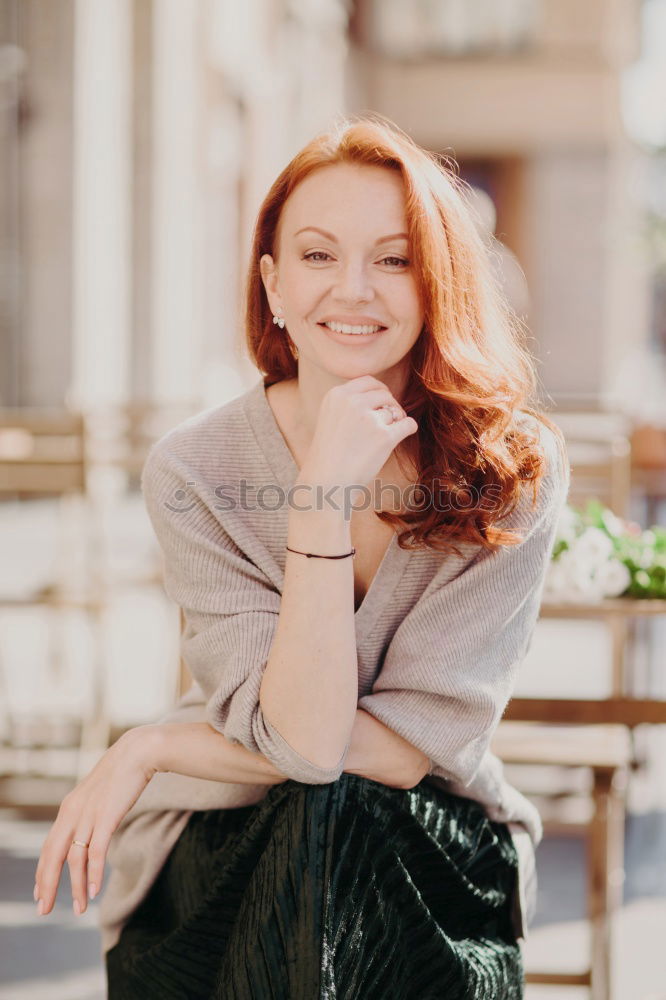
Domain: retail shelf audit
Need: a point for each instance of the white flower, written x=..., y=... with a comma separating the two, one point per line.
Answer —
x=569, y=578
x=568, y=525
x=612, y=578
x=646, y=558
x=614, y=524
x=592, y=548
x=580, y=572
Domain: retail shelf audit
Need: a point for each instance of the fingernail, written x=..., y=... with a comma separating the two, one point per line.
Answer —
x=35, y=893
x=77, y=907
x=40, y=907
x=92, y=890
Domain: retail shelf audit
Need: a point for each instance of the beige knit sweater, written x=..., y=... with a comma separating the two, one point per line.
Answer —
x=440, y=638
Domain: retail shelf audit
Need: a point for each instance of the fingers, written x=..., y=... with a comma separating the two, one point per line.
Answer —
x=77, y=859
x=385, y=403
x=363, y=384
x=360, y=382
x=86, y=864
x=391, y=413
x=405, y=427
x=377, y=395
x=57, y=848
x=89, y=814
x=379, y=399
x=51, y=860
x=99, y=845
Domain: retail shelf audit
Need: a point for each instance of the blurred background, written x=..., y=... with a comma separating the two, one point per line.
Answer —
x=137, y=139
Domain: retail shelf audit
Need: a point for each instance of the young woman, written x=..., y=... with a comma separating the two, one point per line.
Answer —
x=359, y=544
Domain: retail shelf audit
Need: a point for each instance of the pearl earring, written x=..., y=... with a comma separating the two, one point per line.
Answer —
x=279, y=321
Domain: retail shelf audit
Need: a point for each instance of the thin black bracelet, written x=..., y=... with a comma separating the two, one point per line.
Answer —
x=317, y=556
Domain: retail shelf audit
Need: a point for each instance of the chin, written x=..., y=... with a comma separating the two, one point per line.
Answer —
x=349, y=371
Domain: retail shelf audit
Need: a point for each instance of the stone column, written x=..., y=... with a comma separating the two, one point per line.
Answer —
x=102, y=203
x=177, y=334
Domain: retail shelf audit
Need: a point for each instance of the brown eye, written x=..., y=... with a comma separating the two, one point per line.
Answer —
x=315, y=253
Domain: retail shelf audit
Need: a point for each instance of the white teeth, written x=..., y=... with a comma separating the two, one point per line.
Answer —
x=345, y=328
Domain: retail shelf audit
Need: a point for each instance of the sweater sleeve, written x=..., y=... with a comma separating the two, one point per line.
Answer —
x=451, y=665
x=231, y=611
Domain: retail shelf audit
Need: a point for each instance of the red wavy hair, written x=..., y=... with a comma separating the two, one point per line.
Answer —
x=471, y=376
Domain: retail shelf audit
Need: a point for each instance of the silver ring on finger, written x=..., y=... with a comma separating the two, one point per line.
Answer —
x=393, y=412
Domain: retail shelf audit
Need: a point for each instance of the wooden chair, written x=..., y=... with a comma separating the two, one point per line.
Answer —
x=43, y=455
x=601, y=453
x=618, y=712
x=599, y=449
x=605, y=751
x=648, y=473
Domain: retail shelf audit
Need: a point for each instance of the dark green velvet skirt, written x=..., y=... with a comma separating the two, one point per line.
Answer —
x=351, y=890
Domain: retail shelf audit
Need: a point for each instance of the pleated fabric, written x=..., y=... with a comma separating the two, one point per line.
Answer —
x=345, y=891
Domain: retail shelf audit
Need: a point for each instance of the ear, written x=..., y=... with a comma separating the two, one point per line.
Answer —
x=269, y=277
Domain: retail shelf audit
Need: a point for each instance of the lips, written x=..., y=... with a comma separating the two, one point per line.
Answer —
x=358, y=320
x=347, y=323
x=352, y=339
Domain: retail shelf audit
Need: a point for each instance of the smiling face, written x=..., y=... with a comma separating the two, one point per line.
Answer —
x=343, y=258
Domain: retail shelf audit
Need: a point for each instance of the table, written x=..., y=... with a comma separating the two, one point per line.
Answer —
x=601, y=746
x=620, y=706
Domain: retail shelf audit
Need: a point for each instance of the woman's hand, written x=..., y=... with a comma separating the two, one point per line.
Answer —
x=353, y=439
x=90, y=813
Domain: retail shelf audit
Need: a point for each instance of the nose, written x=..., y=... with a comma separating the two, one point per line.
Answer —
x=353, y=284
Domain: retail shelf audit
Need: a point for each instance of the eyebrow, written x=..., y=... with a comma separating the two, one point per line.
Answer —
x=331, y=237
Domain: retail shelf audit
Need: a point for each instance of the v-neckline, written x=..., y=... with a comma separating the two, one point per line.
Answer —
x=286, y=469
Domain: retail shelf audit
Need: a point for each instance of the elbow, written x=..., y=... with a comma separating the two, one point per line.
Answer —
x=417, y=773
x=288, y=760
x=461, y=763
x=461, y=771
x=328, y=762
x=247, y=725
x=298, y=768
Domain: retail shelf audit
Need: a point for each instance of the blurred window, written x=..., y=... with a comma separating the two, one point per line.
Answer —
x=424, y=28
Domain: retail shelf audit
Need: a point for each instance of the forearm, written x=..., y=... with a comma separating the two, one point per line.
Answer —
x=199, y=751
x=309, y=688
